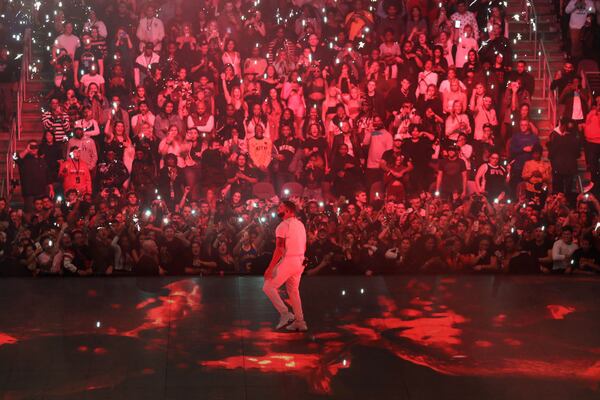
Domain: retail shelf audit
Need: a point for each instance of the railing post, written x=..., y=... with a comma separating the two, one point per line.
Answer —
x=544, y=85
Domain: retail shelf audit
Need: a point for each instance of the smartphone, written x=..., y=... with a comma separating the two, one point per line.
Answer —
x=457, y=24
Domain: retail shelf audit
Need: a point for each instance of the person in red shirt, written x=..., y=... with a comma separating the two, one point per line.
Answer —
x=75, y=173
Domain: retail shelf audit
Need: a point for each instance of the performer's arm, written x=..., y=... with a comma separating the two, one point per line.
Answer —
x=277, y=254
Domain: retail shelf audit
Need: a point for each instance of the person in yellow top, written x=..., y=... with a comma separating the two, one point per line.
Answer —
x=357, y=20
x=537, y=173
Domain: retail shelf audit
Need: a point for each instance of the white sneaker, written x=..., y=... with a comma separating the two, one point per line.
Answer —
x=297, y=326
x=285, y=319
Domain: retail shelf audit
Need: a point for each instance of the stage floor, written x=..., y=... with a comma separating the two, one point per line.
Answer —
x=412, y=337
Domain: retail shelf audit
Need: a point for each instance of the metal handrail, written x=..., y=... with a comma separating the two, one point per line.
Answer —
x=543, y=70
x=585, y=79
x=24, y=78
x=17, y=120
x=10, y=163
x=551, y=95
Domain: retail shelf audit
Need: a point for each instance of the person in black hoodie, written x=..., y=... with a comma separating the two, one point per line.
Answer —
x=143, y=174
x=563, y=77
x=51, y=151
x=576, y=100
x=418, y=149
x=174, y=252
x=286, y=147
x=111, y=173
x=148, y=264
x=345, y=172
x=34, y=175
x=170, y=182
x=212, y=165
x=563, y=152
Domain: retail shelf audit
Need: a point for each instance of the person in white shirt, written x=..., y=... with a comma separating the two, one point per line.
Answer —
x=563, y=250
x=143, y=63
x=92, y=77
x=426, y=77
x=378, y=141
x=88, y=123
x=465, y=150
x=461, y=18
x=86, y=146
x=94, y=22
x=457, y=122
x=201, y=120
x=150, y=29
x=286, y=267
x=578, y=11
x=390, y=53
x=67, y=41
x=445, y=85
x=484, y=115
x=466, y=43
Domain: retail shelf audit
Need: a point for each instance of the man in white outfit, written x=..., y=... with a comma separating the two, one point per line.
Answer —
x=150, y=29
x=286, y=267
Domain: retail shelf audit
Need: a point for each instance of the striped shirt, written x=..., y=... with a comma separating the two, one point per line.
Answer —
x=60, y=124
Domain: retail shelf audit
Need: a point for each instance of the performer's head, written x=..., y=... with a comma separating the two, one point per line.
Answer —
x=286, y=209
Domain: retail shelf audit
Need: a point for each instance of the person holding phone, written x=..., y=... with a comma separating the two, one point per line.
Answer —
x=578, y=11
x=461, y=18
x=34, y=175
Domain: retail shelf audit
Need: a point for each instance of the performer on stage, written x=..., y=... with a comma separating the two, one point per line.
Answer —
x=286, y=267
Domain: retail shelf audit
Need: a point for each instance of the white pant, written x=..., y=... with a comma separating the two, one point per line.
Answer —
x=289, y=271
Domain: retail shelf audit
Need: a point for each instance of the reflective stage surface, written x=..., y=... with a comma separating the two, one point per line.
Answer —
x=406, y=337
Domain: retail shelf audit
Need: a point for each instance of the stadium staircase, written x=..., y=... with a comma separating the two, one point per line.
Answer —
x=27, y=124
x=536, y=38
x=538, y=43
x=534, y=31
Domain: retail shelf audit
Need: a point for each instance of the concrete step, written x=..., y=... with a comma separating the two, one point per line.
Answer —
x=541, y=8
x=31, y=118
x=544, y=126
x=522, y=27
x=551, y=46
x=549, y=36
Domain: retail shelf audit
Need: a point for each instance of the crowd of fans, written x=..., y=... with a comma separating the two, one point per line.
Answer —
x=403, y=130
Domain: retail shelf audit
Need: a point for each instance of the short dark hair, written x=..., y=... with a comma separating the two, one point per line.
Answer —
x=290, y=205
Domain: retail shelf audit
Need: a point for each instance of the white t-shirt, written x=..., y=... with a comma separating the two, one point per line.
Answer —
x=561, y=254
x=87, y=79
x=68, y=42
x=577, y=109
x=294, y=233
